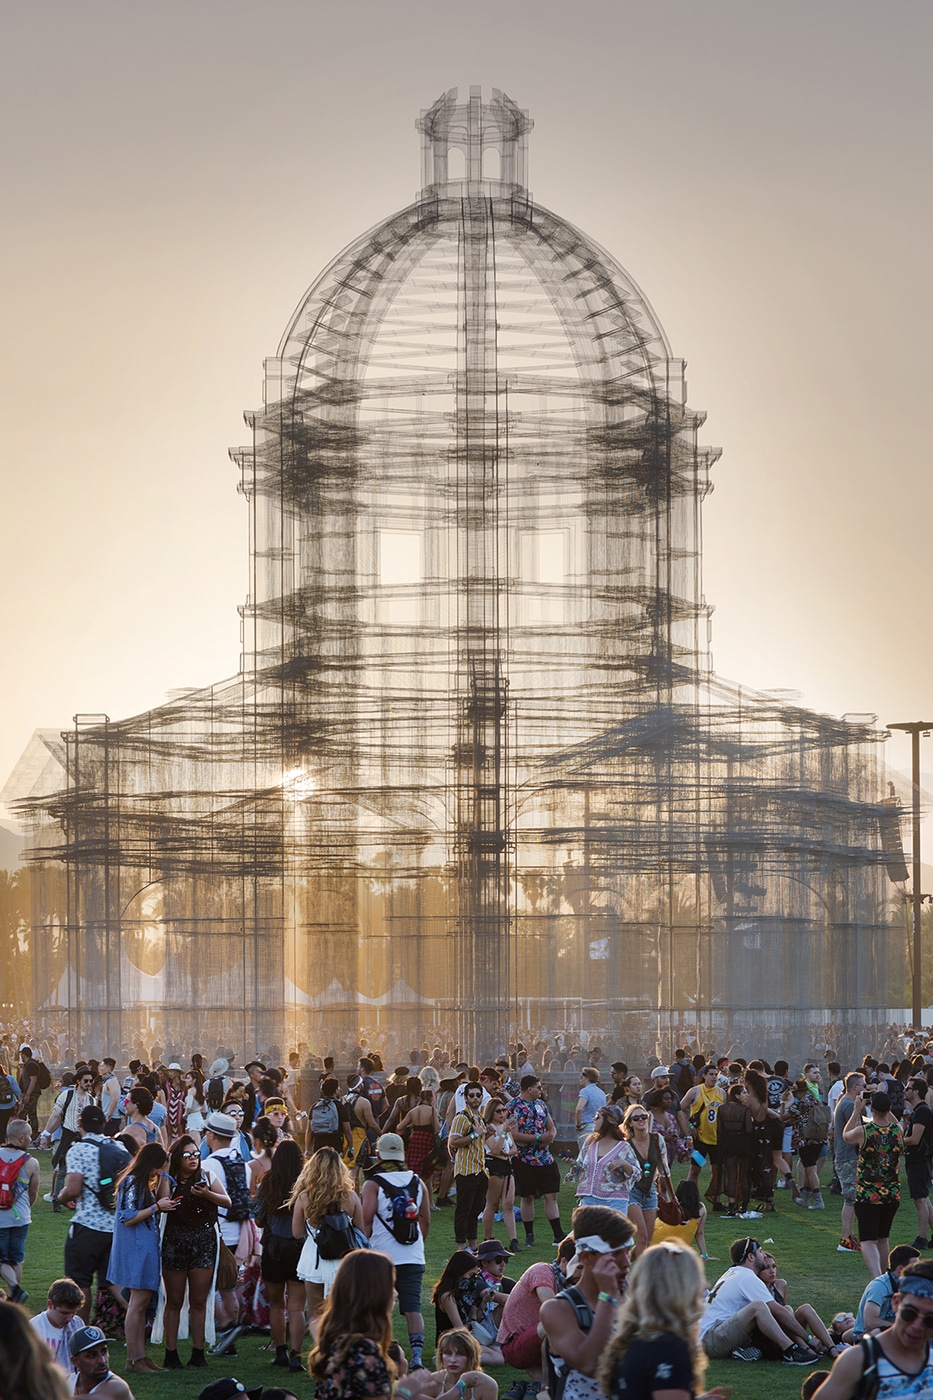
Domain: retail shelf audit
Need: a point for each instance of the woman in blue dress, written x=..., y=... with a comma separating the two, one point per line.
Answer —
x=143, y=1192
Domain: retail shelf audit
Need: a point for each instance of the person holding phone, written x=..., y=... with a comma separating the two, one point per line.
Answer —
x=189, y=1246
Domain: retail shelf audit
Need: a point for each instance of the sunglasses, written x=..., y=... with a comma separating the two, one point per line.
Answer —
x=191, y=1154
x=638, y=1118
x=910, y=1314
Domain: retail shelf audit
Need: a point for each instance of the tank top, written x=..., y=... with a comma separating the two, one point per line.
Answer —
x=895, y=1384
x=707, y=1108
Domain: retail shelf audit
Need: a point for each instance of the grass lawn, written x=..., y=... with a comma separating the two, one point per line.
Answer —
x=804, y=1243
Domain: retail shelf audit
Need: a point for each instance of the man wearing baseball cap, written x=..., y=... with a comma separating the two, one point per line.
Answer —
x=229, y=1388
x=391, y=1175
x=92, y=1374
x=221, y=1134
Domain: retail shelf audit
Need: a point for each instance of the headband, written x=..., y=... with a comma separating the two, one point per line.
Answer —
x=915, y=1283
x=592, y=1244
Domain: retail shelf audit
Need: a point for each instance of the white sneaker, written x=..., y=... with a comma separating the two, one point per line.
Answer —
x=49, y=1197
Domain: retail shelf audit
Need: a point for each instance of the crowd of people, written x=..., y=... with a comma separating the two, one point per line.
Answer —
x=207, y=1199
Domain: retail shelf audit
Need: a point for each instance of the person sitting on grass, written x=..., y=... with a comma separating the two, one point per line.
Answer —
x=692, y=1229
x=90, y=1357
x=801, y=1322
x=654, y=1352
x=577, y=1323
x=876, y=1306
x=901, y=1357
x=459, y=1299
x=518, y=1331
x=60, y=1321
x=459, y=1374
x=26, y=1364
x=738, y=1317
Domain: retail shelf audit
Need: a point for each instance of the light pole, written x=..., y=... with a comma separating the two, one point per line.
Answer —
x=915, y=728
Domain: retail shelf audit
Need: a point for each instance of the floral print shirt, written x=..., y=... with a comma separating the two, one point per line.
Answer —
x=531, y=1118
x=878, y=1161
x=363, y=1371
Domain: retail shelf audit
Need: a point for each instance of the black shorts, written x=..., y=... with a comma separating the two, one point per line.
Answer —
x=87, y=1252
x=874, y=1222
x=809, y=1153
x=280, y=1258
x=707, y=1149
x=187, y=1247
x=499, y=1166
x=918, y=1176
x=535, y=1181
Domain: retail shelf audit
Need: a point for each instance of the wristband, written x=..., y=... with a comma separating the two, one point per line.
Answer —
x=606, y=1298
x=461, y=1387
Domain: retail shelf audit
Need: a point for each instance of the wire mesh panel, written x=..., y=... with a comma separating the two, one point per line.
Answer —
x=475, y=778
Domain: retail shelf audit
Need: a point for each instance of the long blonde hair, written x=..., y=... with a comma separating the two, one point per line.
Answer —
x=324, y=1179
x=664, y=1295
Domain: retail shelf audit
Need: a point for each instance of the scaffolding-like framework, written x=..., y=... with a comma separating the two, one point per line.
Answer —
x=475, y=775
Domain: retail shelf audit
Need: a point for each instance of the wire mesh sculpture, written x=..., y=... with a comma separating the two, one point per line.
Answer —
x=475, y=776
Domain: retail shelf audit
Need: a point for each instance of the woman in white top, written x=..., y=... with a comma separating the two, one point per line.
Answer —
x=194, y=1104
x=324, y=1186
x=606, y=1165
x=500, y=1193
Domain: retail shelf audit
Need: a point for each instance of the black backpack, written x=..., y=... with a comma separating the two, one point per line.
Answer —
x=869, y=1381
x=234, y=1169
x=44, y=1075
x=335, y=1236
x=214, y=1094
x=403, y=1208
x=112, y=1158
x=7, y=1096
x=557, y=1368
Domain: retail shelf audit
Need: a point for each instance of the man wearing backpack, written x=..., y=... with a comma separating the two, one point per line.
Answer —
x=66, y=1114
x=10, y=1096
x=579, y=1321
x=397, y=1218
x=220, y=1134
x=19, y=1187
x=898, y=1361
x=330, y=1119
x=89, y=1179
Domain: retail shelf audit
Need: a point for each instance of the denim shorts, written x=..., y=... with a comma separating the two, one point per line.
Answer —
x=13, y=1244
x=648, y=1200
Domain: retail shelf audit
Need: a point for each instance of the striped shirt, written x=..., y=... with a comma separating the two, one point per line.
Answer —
x=471, y=1159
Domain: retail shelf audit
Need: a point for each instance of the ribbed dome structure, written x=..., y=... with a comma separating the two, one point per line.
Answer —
x=475, y=777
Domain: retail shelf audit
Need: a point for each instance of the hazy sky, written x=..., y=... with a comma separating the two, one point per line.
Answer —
x=174, y=175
